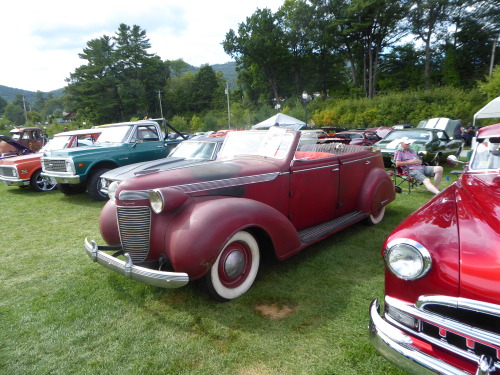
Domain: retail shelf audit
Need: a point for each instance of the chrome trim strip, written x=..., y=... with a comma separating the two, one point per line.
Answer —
x=335, y=167
x=398, y=348
x=204, y=186
x=463, y=303
x=162, y=279
x=451, y=325
x=358, y=160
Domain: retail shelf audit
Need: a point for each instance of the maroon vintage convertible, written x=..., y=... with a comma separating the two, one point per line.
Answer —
x=442, y=284
x=212, y=220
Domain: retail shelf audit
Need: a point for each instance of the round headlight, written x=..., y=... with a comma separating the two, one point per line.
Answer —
x=112, y=190
x=156, y=201
x=407, y=259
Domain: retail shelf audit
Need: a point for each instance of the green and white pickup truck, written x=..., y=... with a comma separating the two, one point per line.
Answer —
x=77, y=170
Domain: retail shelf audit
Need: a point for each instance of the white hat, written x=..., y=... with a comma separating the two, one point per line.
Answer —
x=406, y=141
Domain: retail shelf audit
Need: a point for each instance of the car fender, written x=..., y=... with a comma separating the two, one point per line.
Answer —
x=377, y=191
x=108, y=225
x=195, y=235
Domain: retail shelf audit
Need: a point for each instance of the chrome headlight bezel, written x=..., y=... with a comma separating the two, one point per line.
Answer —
x=407, y=259
x=156, y=201
x=112, y=190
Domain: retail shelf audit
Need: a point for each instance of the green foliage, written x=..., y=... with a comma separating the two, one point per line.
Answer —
x=491, y=85
x=409, y=107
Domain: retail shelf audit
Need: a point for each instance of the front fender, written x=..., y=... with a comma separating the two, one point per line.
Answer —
x=197, y=233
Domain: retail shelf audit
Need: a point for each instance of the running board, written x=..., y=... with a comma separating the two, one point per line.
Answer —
x=312, y=233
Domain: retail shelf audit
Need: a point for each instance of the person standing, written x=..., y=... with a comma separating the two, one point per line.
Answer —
x=406, y=158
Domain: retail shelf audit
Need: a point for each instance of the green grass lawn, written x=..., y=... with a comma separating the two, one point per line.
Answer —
x=60, y=313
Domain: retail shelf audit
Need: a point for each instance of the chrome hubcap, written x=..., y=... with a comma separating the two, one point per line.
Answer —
x=235, y=262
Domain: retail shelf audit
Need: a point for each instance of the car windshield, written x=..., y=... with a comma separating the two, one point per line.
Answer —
x=414, y=135
x=114, y=134
x=273, y=143
x=194, y=150
x=56, y=143
x=486, y=155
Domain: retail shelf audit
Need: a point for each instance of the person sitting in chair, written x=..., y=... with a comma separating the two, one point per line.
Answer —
x=406, y=158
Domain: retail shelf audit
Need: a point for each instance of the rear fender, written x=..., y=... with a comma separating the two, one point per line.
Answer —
x=377, y=191
x=197, y=233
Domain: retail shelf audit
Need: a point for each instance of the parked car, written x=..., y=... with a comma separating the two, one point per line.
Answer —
x=357, y=137
x=211, y=221
x=10, y=148
x=30, y=137
x=186, y=153
x=442, y=278
x=312, y=136
x=78, y=169
x=26, y=170
x=433, y=145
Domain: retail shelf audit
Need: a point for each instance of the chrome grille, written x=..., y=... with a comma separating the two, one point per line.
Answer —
x=7, y=172
x=134, y=224
x=54, y=165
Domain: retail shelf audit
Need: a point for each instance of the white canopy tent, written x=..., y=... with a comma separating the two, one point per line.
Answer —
x=490, y=110
x=281, y=120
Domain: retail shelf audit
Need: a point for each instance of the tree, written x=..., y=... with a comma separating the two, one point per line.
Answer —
x=491, y=86
x=259, y=48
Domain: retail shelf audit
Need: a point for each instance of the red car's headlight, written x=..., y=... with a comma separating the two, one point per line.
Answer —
x=407, y=259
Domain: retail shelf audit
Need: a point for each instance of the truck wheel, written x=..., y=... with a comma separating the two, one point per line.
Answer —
x=376, y=218
x=94, y=185
x=39, y=183
x=235, y=269
x=68, y=189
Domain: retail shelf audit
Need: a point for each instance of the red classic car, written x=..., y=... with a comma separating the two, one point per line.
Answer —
x=25, y=170
x=442, y=279
x=212, y=220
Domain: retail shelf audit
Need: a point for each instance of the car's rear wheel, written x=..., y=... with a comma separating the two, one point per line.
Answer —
x=235, y=269
x=94, y=185
x=375, y=218
x=39, y=183
x=69, y=189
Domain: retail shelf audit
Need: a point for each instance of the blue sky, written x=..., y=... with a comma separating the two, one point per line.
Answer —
x=40, y=40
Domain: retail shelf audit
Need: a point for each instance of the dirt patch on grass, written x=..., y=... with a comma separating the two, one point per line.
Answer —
x=274, y=311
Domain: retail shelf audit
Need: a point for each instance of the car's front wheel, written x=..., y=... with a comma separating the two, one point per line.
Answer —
x=39, y=183
x=94, y=185
x=235, y=269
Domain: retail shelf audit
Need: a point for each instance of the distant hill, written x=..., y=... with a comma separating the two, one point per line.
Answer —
x=9, y=93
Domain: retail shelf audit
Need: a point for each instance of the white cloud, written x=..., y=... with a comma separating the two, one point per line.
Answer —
x=40, y=40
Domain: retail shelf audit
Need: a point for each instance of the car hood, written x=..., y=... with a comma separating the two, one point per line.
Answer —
x=7, y=144
x=478, y=209
x=21, y=159
x=83, y=150
x=202, y=177
x=148, y=167
x=394, y=144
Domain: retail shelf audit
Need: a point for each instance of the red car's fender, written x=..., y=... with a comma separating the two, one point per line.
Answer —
x=195, y=235
x=377, y=191
x=108, y=224
x=435, y=227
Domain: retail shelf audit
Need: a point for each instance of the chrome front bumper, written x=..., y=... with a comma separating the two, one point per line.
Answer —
x=398, y=347
x=14, y=182
x=62, y=179
x=162, y=279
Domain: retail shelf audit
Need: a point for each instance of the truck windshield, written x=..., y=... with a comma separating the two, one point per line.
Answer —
x=273, y=143
x=56, y=143
x=114, y=134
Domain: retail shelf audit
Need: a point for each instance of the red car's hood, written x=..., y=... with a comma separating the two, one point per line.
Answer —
x=478, y=209
x=214, y=171
x=22, y=158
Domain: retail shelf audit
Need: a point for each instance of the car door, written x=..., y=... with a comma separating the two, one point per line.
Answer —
x=146, y=144
x=314, y=185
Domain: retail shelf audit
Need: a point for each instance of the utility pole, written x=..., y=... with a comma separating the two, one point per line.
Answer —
x=25, y=114
x=493, y=55
x=161, y=109
x=228, y=108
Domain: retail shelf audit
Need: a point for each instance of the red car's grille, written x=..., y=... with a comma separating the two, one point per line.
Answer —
x=7, y=172
x=134, y=224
